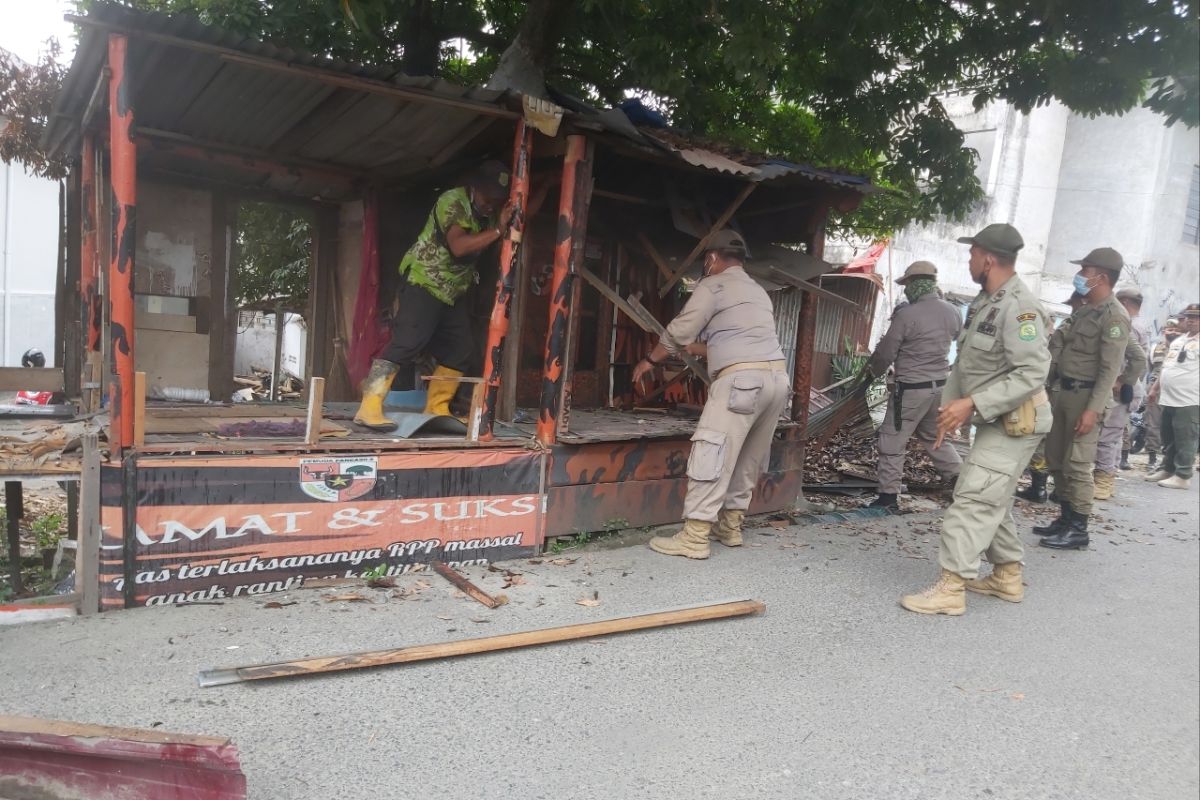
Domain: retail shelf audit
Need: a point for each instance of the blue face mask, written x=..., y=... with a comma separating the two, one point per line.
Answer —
x=1081, y=285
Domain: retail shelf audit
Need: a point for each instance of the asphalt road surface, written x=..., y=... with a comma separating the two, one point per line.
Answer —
x=1088, y=689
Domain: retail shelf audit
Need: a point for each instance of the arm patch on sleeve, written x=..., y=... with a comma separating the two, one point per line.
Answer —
x=1027, y=332
x=1115, y=332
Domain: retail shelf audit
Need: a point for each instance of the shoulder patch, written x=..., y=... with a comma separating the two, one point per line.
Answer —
x=1028, y=316
x=999, y=294
x=1115, y=332
x=1027, y=332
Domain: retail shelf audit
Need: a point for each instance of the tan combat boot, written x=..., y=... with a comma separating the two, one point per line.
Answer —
x=1105, y=485
x=375, y=388
x=691, y=541
x=728, y=530
x=945, y=596
x=1004, y=582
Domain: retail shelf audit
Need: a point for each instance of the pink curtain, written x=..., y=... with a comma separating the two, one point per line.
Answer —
x=370, y=334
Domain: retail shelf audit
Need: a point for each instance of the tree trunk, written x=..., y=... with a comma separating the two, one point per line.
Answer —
x=421, y=39
x=522, y=67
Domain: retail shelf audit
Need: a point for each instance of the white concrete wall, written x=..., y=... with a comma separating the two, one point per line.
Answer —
x=28, y=263
x=256, y=344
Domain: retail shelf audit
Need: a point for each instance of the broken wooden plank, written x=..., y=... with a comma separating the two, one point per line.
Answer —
x=486, y=644
x=139, y=409
x=31, y=379
x=316, y=396
x=652, y=251
x=700, y=245
x=693, y=363
x=470, y=589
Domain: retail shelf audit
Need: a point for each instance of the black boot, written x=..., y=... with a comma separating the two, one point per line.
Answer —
x=885, y=500
x=1153, y=456
x=1036, y=493
x=1061, y=524
x=1073, y=537
x=1125, y=460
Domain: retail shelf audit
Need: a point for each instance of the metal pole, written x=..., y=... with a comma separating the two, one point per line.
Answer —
x=510, y=251
x=123, y=155
x=561, y=291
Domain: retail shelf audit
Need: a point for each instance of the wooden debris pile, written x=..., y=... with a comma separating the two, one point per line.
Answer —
x=852, y=453
x=259, y=384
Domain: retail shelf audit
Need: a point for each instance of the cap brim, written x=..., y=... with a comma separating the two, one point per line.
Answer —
x=903, y=279
x=966, y=240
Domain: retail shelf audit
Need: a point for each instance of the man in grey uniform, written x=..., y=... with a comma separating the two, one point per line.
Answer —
x=1127, y=395
x=917, y=342
x=998, y=381
x=731, y=316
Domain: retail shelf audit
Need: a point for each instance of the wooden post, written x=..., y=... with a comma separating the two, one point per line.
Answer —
x=139, y=409
x=123, y=179
x=13, y=512
x=806, y=334
x=510, y=251
x=576, y=179
x=89, y=267
x=277, y=371
x=87, y=555
x=316, y=397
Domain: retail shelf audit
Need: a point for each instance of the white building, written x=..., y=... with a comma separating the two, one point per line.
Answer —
x=1070, y=184
x=28, y=263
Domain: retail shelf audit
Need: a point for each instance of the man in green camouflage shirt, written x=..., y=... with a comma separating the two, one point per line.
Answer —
x=437, y=271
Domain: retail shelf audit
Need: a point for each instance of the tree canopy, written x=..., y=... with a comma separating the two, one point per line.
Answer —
x=850, y=85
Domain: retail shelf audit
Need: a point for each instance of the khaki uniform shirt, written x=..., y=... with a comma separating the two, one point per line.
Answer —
x=1137, y=361
x=731, y=314
x=1090, y=346
x=1002, y=356
x=918, y=341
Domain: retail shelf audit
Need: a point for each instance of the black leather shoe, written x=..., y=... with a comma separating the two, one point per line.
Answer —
x=1060, y=524
x=1125, y=460
x=1073, y=537
x=1036, y=493
x=887, y=501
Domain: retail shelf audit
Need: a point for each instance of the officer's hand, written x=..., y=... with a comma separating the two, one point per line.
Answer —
x=953, y=416
x=1126, y=394
x=1152, y=397
x=641, y=370
x=505, y=218
x=697, y=349
x=1087, y=421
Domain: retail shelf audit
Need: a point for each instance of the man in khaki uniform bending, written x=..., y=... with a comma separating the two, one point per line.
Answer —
x=1001, y=368
x=731, y=316
x=917, y=342
x=1088, y=352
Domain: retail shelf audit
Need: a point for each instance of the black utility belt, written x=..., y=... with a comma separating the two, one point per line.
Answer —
x=925, y=385
x=1070, y=384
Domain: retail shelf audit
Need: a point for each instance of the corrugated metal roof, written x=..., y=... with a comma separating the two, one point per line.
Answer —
x=202, y=84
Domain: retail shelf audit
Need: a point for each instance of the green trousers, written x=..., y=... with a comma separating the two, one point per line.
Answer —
x=1180, y=437
x=980, y=520
x=1070, y=458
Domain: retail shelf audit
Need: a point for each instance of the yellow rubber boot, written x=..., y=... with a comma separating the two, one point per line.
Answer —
x=441, y=392
x=728, y=530
x=691, y=541
x=1004, y=582
x=374, y=388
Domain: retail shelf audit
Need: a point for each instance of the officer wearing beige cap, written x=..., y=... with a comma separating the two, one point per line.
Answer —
x=731, y=316
x=917, y=342
x=1088, y=353
x=998, y=382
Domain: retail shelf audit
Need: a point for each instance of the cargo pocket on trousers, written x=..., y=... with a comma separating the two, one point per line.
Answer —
x=984, y=479
x=707, y=459
x=743, y=395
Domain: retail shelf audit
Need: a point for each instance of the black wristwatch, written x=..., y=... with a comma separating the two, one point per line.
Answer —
x=651, y=361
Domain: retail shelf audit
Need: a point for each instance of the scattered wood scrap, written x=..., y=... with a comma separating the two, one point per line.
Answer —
x=259, y=384
x=487, y=644
x=468, y=588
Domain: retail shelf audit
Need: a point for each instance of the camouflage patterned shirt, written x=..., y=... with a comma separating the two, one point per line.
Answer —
x=429, y=262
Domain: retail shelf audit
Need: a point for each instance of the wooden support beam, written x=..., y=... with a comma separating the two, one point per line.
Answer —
x=87, y=556
x=31, y=379
x=487, y=644
x=316, y=397
x=722, y=220
x=655, y=256
x=139, y=409
x=468, y=588
x=641, y=317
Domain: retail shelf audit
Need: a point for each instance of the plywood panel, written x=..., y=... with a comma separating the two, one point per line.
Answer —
x=174, y=241
x=172, y=358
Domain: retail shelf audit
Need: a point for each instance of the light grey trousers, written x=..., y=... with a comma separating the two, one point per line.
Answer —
x=918, y=415
x=732, y=442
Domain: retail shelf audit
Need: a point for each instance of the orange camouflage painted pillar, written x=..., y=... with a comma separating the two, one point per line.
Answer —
x=561, y=290
x=89, y=260
x=123, y=184
x=510, y=251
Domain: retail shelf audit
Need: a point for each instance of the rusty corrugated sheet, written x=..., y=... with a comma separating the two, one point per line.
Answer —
x=837, y=324
x=787, y=323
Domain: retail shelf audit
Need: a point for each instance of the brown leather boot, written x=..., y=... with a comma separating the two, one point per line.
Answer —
x=945, y=596
x=728, y=530
x=1004, y=582
x=691, y=541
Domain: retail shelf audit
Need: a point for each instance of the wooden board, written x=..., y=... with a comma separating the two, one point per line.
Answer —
x=181, y=323
x=31, y=379
x=172, y=358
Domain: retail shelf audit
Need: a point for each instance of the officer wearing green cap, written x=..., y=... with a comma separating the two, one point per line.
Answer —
x=998, y=382
x=1088, y=354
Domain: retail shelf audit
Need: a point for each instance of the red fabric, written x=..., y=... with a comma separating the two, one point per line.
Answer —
x=370, y=334
x=866, y=262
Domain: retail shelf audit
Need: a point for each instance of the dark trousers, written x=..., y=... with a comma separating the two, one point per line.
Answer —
x=425, y=324
x=1180, y=437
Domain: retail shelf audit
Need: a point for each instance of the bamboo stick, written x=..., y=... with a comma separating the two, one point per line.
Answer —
x=487, y=644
